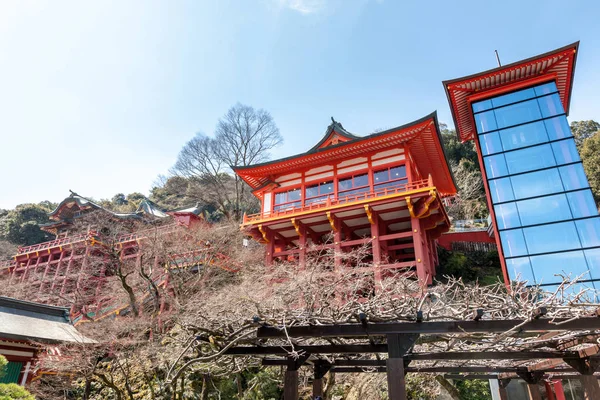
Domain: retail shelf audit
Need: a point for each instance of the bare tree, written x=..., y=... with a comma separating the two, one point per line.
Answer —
x=243, y=136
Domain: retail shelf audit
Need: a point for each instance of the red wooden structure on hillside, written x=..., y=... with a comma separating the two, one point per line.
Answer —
x=382, y=190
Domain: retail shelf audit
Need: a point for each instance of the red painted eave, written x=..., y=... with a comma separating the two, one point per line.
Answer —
x=557, y=65
x=421, y=136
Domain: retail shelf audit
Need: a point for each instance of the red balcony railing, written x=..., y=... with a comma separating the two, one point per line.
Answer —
x=128, y=237
x=401, y=188
x=57, y=242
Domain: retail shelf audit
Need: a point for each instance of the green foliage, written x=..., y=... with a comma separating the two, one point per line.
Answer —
x=420, y=387
x=12, y=391
x=473, y=390
x=21, y=225
x=590, y=155
x=3, y=364
x=471, y=266
x=583, y=130
x=455, y=150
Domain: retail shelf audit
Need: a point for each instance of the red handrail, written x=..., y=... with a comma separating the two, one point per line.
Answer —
x=56, y=242
x=331, y=201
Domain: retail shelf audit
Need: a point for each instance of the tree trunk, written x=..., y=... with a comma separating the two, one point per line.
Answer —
x=448, y=387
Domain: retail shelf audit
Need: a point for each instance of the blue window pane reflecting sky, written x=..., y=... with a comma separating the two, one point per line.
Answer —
x=551, y=105
x=552, y=237
x=513, y=97
x=558, y=128
x=565, y=151
x=517, y=114
x=582, y=204
x=513, y=243
x=589, y=231
x=529, y=159
x=573, y=177
x=546, y=88
x=507, y=216
x=482, y=105
x=490, y=143
x=544, y=209
x=485, y=121
x=520, y=269
x=570, y=264
x=524, y=135
x=593, y=261
x=536, y=183
x=495, y=166
x=501, y=190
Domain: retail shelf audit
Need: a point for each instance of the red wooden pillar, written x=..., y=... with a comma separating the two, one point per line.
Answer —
x=270, y=247
x=559, y=391
x=549, y=392
x=419, y=253
x=375, y=243
x=24, y=277
x=302, y=249
x=66, y=277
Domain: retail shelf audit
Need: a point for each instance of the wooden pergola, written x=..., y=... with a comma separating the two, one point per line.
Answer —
x=576, y=357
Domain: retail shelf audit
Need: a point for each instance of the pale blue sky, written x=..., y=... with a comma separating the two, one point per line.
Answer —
x=100, y=96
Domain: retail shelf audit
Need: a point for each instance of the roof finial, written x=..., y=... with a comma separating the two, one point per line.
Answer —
x=498, y=58
x=333, y=120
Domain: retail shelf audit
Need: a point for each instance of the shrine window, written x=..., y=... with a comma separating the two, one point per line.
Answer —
x=392, y=177
x=353, y=185
x=318, y=193
x=288, y=199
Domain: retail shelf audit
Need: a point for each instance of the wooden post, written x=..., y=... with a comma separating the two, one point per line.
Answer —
x=502, y=392
x=534, y=391
x=317, y=387
x=290, y=385
x=418, y=246
x=590, y=387
x=398, y=346
x=375, y=245
x=395, y=379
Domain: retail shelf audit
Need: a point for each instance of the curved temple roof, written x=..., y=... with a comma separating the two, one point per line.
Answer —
x=421, y=136
x=557, y=65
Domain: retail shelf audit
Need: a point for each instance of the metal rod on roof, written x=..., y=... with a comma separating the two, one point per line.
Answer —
x=498, y=58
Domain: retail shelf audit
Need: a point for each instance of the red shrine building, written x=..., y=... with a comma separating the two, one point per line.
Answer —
x=545, y=220
x=68, y=271
x=383, y=190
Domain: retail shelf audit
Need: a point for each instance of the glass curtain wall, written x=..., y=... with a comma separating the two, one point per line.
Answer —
x=545, y=212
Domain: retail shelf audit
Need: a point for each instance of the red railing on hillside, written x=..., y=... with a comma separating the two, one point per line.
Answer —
x=128, y=237
x=57, y=242
x=332, y=201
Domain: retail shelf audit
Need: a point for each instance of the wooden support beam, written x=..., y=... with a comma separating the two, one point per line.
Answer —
x=399, y=235
x=290, y=385
x=398, y=346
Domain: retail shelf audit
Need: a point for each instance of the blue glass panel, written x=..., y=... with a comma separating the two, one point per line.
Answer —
x=397, y=172
x=536, y=183
x=523, y=135
x=546, y=88
x=582, y=204
x=552, y=237
x=570, y=264
x=501, y=190
x=495, y=166
x=294, y=195
x=361, y=180
x=544, y=209
x=529, y=159
x=573, y=177
x=589, y=232
x=507, y=216
x=558, y=128
x=565, y=151
x=550, y=105
x=513, y=97
x=593, y=260
x=482, y=105
x=520, y=269
x=485, y=121
x=517, y=114
x=513, y=243
x=490, y=143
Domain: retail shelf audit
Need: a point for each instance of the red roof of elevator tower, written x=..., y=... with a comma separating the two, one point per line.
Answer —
x=557, y=65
